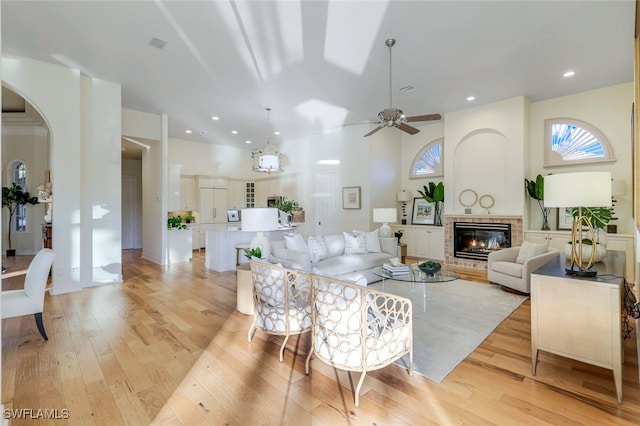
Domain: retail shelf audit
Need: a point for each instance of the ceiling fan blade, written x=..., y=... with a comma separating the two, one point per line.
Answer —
x=428, y=117
x=375, y=130
x=406, y=128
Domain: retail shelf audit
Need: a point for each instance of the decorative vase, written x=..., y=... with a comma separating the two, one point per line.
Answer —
x=47, y=217
x=545, y=218
x=601, y=252
x=437, y=213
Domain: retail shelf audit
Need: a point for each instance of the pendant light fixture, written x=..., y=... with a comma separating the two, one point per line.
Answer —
x=267, y=159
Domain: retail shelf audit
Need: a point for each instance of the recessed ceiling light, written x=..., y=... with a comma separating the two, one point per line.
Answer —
x=204, y=132
x=276, y=133
x=157, y=43
x=569, y=74
x=471, y=98
x=247, y=141
x=188, y=131
x=328, y=162
x=235, y=132
x=215, y=118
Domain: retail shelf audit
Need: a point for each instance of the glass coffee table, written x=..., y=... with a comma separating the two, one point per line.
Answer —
x=414, y=277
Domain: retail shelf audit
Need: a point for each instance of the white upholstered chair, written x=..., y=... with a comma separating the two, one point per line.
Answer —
x=281, y=300
x=504, y=267
x=30, y=299
x=356, y=328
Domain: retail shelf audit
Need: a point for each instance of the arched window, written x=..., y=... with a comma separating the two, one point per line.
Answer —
x=428, y=162
x=570, y=141
x=19, y=176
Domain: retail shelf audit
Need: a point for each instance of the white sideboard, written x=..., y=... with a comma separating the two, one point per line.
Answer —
x=579, y=318
x=423, y=241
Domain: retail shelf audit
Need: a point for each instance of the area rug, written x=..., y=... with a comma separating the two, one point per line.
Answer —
x=450, y=320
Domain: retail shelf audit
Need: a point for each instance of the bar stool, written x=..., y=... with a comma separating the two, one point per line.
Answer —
x=240, y=246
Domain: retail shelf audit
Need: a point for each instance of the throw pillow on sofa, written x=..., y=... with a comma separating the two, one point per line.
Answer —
x=295, y=242
x=354, y=243
x=529, y=250
x=317, y=249
x=372, y=241
x=335, y=245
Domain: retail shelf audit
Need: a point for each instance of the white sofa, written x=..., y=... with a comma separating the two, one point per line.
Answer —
x=342, y=256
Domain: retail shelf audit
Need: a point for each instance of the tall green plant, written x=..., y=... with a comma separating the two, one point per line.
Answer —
x=434, y=193
x=535, y=189
x=12, y=197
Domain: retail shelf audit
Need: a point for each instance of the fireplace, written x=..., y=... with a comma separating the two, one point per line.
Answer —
x=472, y=240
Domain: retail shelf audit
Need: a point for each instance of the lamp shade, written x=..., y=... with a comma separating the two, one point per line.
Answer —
x=404, y=196
x=587, y=189
x=259, y=219
x=385, y=215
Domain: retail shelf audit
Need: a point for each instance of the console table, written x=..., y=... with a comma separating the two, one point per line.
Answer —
x=580, y=318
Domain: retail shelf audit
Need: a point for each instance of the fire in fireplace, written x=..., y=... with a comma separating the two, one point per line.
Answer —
x=477, y=240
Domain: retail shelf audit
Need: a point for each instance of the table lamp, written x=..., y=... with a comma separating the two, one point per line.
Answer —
x=385, y=216
x=587, y=189
x=259, y=220
x=403, y=198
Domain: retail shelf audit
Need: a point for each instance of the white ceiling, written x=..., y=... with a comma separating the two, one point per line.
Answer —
x=322, y=64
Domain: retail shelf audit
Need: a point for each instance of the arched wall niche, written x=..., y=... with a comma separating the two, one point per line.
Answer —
x=482, y=162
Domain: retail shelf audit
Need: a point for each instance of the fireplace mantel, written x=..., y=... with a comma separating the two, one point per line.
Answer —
x=459, y=215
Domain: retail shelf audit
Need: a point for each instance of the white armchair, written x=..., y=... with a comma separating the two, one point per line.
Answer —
x=282, y=301
x=504, y=267
x=359, y=329
x=30, y=299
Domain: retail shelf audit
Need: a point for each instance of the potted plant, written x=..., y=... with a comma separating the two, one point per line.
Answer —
x=253, y=252
x=535, y=189
x=398, y=234
x=175, y=223
x=188, y=218
x=291, y=208
x=434, y=194
x=12, y=197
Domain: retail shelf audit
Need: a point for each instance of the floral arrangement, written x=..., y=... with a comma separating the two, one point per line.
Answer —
x=45, y=192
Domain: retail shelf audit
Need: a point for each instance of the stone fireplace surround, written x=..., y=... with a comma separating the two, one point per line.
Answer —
x=517, y=235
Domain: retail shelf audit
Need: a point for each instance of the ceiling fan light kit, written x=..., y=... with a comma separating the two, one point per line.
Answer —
x=394, y=117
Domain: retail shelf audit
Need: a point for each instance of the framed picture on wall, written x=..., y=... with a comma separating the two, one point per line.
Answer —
x=422, y=212
x=565, y=218
x=351, y=197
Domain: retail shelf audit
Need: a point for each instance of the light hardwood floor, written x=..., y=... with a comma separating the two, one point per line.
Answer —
x=168, y=347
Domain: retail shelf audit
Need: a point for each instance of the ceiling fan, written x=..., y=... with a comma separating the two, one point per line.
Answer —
x=394, y=117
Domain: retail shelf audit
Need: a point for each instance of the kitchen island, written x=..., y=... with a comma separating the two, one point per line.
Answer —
x=220, y=246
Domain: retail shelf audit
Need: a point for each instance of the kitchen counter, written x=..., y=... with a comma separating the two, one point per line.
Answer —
x=221, y=243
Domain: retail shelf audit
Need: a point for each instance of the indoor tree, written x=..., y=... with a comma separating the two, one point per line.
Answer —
x=12, y=197
x=434, y=193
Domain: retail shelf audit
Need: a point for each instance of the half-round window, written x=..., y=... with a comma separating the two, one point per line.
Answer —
x=570, y=141
x=428, y=162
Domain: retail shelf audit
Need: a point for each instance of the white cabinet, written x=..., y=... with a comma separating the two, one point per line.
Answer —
x=187, y=193
x=213, y=205
x=555, y=239
x=423, y=241
x=236, y=194
x=430, y=243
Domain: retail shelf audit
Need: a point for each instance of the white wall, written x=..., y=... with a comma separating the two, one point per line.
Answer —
x=101, y=224
x=608, y=110
x=211, y=160
x=484, y=152
x=57, y=94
